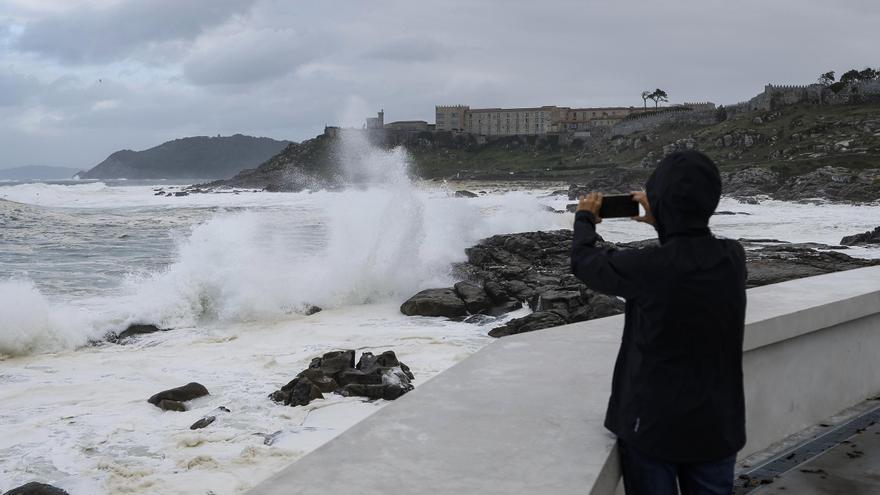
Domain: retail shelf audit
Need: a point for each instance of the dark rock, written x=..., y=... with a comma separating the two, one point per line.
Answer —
x=774, y=264
x=496, y=292
x=731, y=213
x=869, y=237
x=481, y=319
x=304, y=392
x=317, y=377
x=133, y=330
x=181, y=193
x=35, y=488
x=171, y=405
x=311, y=309
x=465, y=194
x=207, y=420
x=334, y=362
x=375, y=377
x=571, y=207
x=182, y=394
x=535, y=321
x=475, y=297
x=502, y=309
x=566, y=300
x=434, y=302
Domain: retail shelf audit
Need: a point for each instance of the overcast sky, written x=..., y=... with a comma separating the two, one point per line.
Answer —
x=80, y=79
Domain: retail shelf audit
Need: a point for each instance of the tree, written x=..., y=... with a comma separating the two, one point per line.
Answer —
x=646, y=95
x=850, y=76
x=827, y=78
x=867, y=74
x=721, y=113
x=658, y=95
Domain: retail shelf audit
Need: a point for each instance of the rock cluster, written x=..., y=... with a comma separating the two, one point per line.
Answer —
x=375, y=377
x=173, y=399
x=869, y=237
x=534, y=267
x=506, y=270
x=833, y=183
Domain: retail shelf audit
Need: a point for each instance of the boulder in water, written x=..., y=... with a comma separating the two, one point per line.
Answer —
x=475, y=297
x=435, y=302
x=207, y=420
x=134, y=330
x=171, y=405
x=35, y=488
x=535, y=321
x=465, y=194
x=173, y=399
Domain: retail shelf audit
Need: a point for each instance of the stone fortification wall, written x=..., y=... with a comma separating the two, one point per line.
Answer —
x=774, y=96
x=671, y=116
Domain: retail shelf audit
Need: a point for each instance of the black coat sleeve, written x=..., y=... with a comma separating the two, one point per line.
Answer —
x=605, y=269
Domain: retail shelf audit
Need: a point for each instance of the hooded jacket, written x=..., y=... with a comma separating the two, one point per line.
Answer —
x=677, y=390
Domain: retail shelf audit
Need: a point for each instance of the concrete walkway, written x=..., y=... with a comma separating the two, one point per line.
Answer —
x=851, y=468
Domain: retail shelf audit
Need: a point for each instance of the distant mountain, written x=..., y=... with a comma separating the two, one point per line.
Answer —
x=199, y=157
x=37, y=172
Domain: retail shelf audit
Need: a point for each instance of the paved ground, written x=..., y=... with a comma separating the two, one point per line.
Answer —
x=851, y=468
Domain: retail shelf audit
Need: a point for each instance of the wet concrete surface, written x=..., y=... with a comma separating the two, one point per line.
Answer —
x=851, y=468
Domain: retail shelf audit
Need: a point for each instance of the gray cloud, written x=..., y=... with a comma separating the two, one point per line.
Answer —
x=410, y=49
x=101, y=35
x=285, y=69
x=15, y=88
x=247, y=57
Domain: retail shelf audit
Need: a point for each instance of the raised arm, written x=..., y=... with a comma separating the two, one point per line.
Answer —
x=603, y=269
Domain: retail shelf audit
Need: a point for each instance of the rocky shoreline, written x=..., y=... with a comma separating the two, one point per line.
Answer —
x=503, y=272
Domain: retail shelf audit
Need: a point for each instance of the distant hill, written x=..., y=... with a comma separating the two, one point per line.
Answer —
x=199, y=157
x=37, y=172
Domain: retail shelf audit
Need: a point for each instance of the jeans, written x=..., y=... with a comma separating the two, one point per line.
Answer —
x=645, y=475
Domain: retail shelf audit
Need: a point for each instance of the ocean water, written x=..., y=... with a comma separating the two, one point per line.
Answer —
x=232, y=273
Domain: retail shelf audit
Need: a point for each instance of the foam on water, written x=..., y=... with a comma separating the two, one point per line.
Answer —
x=30, y=324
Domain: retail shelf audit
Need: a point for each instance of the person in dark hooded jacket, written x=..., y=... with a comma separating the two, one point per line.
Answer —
x=677, y=404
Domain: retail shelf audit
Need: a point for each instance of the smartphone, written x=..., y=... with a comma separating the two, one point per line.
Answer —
x=619, y=206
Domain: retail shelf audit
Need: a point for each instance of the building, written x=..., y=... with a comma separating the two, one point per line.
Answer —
x=377, y=122
x=510, y=121
x=450, y=117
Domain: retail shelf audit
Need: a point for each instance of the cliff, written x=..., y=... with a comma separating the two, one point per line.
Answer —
x=199, y=157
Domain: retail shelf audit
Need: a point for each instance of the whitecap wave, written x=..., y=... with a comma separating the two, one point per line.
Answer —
x=29, y=323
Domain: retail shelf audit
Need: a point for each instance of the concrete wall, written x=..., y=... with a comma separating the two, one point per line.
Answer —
x=524, y=414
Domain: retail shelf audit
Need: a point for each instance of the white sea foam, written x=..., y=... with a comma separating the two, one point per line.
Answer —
x=28, y=323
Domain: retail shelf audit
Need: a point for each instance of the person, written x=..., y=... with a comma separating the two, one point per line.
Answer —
x=677, y=403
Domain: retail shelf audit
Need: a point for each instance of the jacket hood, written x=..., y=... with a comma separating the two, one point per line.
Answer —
x=683, y=193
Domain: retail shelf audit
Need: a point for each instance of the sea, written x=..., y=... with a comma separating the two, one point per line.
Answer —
x=233, y=273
